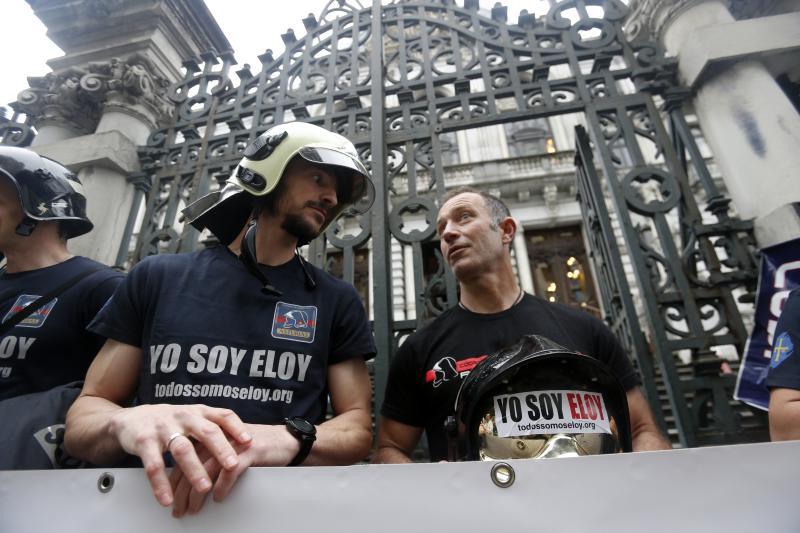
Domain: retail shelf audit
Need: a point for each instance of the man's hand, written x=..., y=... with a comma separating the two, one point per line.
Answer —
x=271, y=446
x=146, y=430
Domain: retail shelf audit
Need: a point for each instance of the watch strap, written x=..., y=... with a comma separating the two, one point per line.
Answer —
x=306, y=440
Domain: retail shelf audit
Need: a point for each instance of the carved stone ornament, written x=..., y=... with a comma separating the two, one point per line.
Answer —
x=77, y=97
x=550, y=195
x=100, y=9
x=58, y=99
x=653, y=16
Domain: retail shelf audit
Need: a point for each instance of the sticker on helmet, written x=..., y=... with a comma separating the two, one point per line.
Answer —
x=553, y=411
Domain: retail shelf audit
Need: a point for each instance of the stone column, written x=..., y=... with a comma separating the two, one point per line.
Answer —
x=523, y=263
x=409, y=297
x=750, y=124
x=125, y=101
x=107, y=94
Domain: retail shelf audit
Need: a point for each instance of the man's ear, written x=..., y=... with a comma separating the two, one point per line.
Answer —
x=508, y=228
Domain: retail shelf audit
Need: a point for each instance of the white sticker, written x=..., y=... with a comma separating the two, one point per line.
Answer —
x=554, y=411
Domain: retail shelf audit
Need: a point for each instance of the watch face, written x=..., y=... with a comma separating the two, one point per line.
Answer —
x=303, y=425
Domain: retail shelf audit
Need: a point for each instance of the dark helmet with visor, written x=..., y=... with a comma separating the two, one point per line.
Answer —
x=537, y=399
x=226, y=211
x=46, y=190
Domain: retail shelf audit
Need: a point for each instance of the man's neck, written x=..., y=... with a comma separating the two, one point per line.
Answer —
x=35, y=254
x=274, y=246
x=490, y=293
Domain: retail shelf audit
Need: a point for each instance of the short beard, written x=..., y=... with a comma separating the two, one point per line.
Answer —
x=299, y=227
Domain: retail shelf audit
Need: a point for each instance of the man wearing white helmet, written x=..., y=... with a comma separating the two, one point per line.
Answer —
x=231, y=358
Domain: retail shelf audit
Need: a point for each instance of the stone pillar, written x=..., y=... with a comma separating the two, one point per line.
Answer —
x=750, y=124
x=398, y=280
x=523, y=263
x=107, y=94
x=371, y=283
x=410, y=290
x=482, y=144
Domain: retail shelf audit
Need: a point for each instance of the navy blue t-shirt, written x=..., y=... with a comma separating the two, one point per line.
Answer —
x=51, y=346
x=784, y=365
x=209, y=335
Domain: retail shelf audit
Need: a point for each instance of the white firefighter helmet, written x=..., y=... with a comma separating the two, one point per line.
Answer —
x=225, y=212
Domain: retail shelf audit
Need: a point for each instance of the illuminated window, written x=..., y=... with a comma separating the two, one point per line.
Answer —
x=560, y=268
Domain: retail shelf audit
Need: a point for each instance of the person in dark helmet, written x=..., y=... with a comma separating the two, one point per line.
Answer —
x=543, y=401
x=232, y=358
x=42, y=205
x=476, y=232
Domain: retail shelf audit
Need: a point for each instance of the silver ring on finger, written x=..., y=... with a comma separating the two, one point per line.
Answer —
x=173, y=437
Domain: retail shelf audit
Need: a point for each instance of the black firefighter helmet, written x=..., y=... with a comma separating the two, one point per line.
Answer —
x=537, y=399
x=46, y=190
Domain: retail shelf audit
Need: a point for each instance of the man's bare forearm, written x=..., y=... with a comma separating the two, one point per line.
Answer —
x=390, y=455
x=650, y=440
x=784, y=416
x=343, y=440
x=89, y=434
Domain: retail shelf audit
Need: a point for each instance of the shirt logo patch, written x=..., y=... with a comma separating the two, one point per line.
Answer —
x=294, y=322
x=37, y=318
x=447, y=369
x=782, y=349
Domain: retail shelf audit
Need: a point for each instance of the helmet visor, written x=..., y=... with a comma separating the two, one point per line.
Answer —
x=47, y=190
x=354, y=188
x=545, y=423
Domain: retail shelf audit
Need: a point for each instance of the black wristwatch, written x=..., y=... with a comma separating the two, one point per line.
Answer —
x=305, y=432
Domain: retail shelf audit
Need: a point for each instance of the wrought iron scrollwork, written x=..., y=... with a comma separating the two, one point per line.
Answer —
x=400, y=80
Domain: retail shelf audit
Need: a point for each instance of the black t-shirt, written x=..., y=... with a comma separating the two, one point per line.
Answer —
x=784, y=365
x=427, y=370
x=209, y=335
x=51, y=346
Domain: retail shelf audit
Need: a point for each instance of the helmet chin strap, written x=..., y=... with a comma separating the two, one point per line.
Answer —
x=248, y=257
x=26, y=227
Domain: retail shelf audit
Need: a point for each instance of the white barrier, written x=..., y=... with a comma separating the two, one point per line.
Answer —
x=749, y=488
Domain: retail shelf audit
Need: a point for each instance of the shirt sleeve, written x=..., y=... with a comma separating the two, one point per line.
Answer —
x=122, y=316
x=784, y=364
x=96, y=297
x=352, y=335
x=403, y=399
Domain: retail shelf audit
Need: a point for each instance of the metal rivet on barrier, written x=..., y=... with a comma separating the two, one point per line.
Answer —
x=502, y=475
x=105, y=482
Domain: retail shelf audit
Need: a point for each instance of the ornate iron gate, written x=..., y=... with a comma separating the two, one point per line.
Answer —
x=397, y=79
x=687, y=267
